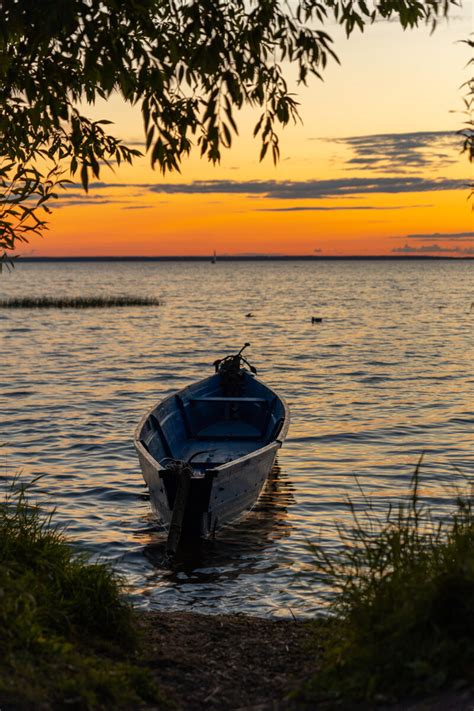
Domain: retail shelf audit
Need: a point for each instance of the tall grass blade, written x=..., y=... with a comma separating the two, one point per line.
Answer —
x=403, y=609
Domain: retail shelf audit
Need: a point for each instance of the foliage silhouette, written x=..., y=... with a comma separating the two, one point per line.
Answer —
x=402, y=619
x=188, y=63
x=67, y=630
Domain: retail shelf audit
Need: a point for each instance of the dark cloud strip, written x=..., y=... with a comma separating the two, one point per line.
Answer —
x=432, y=249
x=313, y=189
x=413, y=139
x=440, y=235
x=79, y=202
x=400, y=151
x=138, y=207
x=296, y=190
x=335, y=208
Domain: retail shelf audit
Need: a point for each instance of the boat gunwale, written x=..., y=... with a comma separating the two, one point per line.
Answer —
x=226, y=465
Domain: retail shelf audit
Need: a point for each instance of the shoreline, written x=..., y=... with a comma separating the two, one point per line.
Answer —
x=238, y=662
x=228, y=661
x=250, y=258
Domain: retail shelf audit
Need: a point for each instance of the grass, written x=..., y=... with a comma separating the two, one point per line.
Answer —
x=78, y=302
x=401, y=623
x=68, y=634
x=402, y=620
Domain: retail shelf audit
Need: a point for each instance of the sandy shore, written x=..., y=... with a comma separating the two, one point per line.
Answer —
x=242, y=663
x=226, y=661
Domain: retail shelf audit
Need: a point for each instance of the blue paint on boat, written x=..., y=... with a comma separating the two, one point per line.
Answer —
x=229, y=440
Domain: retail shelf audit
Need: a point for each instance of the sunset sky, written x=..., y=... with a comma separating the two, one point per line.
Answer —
x=375, y=167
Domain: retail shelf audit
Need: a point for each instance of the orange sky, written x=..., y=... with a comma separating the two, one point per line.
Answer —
x=374, y=167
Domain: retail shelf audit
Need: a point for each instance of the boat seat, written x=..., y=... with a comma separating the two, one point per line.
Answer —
x=231, y=429
x=258, y=400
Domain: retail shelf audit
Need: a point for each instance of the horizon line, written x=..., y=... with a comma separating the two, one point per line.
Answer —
x=234, y=257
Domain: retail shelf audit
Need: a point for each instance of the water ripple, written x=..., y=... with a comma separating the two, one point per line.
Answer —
x=385, y=376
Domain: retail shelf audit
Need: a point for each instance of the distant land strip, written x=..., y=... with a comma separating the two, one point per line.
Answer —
x=249, y=258
x=81, y=302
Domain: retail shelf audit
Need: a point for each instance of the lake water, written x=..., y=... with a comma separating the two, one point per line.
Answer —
x=386, y=375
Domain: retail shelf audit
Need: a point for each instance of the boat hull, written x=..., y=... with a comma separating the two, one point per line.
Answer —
x=231, y=443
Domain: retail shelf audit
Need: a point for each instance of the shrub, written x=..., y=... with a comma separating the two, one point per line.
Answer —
x=67, y=630
x=402, y=620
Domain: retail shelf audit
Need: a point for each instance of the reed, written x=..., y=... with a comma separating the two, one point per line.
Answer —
x=67, y=630
x=79, y=302
x=402, y=619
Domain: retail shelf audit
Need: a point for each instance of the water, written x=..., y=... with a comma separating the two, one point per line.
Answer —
x=386, y=375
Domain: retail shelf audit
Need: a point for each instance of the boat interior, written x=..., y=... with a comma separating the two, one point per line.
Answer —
x=210, y=428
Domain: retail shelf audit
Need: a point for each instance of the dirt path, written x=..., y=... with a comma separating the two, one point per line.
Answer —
x=240, y=663
x=226, y=662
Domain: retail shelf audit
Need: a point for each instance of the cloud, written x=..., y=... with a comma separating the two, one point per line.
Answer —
x=458, y=236
x=427, y=248
x=74, y=196
x=403, y=151
x=137, y=207
x=395, y=19
x=453, y=238
x=311, y=189
x=83, y=200
x=432, y=249
x=346, y=188
x=99, y=185
x=324, y=208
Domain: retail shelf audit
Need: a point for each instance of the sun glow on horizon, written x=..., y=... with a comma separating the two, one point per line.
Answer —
x=375, y=168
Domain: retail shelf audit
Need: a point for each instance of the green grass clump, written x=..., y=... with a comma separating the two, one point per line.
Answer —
x=67, y=633
x=402, y=619
x=78, y=302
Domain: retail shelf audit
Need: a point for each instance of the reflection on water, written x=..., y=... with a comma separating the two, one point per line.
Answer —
x=243, y=550
x=240, y=545
x=385, y=375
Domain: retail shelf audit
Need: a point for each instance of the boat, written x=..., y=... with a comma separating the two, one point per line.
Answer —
x=206, y=451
